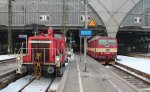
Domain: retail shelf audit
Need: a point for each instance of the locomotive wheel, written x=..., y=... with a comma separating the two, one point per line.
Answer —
x=50, y=69
x=23, y=69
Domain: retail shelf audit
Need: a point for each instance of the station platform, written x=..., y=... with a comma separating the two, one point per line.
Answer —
x=96, y=78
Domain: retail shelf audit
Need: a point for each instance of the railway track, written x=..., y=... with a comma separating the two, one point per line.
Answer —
x=8, y=61
x=7, y=66
x=24, y=84
x=7, y=72
x=29, y=84
x=133, y=76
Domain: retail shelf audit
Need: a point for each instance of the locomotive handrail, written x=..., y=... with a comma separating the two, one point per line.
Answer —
x=37, y=48
x=44, y=49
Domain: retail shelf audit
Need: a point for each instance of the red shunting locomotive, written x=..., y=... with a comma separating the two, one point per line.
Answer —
x=46, y=54
x=104, y=49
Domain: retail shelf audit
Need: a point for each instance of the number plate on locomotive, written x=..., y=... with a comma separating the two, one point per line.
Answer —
x=107, y=50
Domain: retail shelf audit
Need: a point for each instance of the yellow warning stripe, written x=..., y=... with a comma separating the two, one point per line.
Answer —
x=103, y=49
x=91, y=49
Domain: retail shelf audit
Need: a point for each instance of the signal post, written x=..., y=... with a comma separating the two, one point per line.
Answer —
x=84, y=33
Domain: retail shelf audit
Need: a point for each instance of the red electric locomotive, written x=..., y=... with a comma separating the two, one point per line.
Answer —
x=46, y=54
x=104, y=49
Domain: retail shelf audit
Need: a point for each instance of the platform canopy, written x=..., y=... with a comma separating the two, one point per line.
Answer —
x=112, y=12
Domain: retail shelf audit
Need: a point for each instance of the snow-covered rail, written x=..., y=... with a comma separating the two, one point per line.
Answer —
x=7, y=71
x=38, y=85
x=8, y=61
x=17, y=85
x=7, y=58
x=132, y=75
x=32, y=84
x=29, y=84
x=139, y=74
x=7, y=66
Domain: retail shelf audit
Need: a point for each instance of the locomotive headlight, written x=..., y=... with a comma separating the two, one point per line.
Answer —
x=57, y=61
x=57, y=58
x=18, y=58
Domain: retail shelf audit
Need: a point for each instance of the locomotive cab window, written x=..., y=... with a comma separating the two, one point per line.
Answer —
x=111, y=42
x=107, y=42
x=59, y=36
x=102, y=42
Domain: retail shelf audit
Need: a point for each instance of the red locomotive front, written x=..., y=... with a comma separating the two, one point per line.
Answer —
x=104, y=49
x=46, y=54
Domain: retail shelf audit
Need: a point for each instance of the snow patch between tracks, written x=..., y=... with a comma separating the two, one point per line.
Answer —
x=135, y=63
x=17, y=85
x=5, y=57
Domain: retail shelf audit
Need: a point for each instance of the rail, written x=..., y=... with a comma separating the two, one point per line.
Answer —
x=139, y=79
x=8, y=60
x=30, y=84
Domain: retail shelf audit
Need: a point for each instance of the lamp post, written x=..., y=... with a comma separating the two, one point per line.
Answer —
x=10, y=27
x=70, y=41
x=80, y=47
x=143, y=11
x=85, y=38
x=63, y=18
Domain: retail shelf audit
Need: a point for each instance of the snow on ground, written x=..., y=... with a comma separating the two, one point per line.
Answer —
x=140, y=64
x=54, y=85
x=15, y=86
x=4, y=57
x=38, y=85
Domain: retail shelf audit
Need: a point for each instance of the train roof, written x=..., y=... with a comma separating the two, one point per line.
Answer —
x=50, y=34
x=101, y=37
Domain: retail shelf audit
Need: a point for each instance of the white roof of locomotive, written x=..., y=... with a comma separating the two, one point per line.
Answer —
x=97, y=37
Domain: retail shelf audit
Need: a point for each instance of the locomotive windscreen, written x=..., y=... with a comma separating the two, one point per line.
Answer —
x=112, y=42
x=103, y=42
x=40, y=47
x=107, y=42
